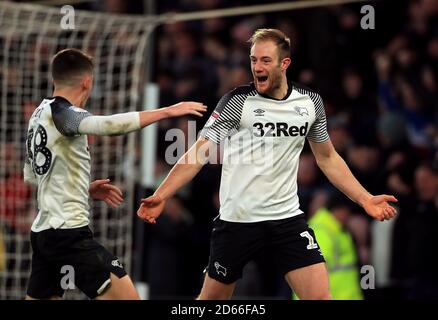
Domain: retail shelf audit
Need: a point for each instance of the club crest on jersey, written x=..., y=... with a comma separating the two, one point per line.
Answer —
x=116, y=263
x=302, y=111
x=220, y=269
x=259, y=112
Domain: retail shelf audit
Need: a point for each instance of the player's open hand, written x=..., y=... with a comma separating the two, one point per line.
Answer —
x=187, y=107
x=103, y=190
x=379, y=208
x=151, y=208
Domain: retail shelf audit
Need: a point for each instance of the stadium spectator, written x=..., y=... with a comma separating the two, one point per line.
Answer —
x=414, y=235
x=170, y=269
x=337, y=245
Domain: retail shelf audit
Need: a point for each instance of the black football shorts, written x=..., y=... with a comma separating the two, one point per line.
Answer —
x=291, y=242
x=73, y=253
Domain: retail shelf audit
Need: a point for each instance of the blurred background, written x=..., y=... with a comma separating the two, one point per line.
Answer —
x=379, y=87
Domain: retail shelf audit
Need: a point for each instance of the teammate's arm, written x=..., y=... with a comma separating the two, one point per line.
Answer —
x=337, y=171
x=221, y=123
x=126, y=122
x=182, y=172
x=72, y=121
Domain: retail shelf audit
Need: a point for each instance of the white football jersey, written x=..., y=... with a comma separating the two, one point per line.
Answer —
x=58, y=162
x=263, y=141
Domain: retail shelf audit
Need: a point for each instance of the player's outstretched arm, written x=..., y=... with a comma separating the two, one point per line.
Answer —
x=337, y=171
x=123, y=123
x=103, y=190
x=182, y=172
x=176, y=110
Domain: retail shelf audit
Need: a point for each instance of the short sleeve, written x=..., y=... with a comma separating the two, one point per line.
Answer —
x=318, y=131
x=68, y=118
x=225, y=119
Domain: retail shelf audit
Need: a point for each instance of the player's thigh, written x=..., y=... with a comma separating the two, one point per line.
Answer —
x=293, y=244
x=310, y=282
x=97, y=270
x=94, y=268
x=44, y=282
x=232, y=245
x=299, y=258
x=45, y=278
x=51, y=298
x=215, y=290
x=119, y=289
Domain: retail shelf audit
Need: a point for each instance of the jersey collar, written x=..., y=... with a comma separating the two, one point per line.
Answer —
x=289, y=91
x=59, y=97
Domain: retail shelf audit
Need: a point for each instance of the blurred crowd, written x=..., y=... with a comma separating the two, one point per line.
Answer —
x=380, y=93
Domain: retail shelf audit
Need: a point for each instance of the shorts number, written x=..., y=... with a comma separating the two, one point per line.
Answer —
x=312, y=244
x=41, y=148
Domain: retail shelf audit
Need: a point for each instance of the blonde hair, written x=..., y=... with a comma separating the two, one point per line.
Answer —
x=275, y=35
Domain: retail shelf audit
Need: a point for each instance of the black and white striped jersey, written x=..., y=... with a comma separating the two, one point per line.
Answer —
x=263, y=138
x=58, y=162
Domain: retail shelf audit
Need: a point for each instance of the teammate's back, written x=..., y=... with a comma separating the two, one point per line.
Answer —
x=58, y=161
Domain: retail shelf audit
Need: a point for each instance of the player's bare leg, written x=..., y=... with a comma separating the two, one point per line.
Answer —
x=51, y=298
x=215, y=290
x=310, y=283
x=120, y=289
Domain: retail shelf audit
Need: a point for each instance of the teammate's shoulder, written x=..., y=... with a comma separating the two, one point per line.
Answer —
x=61, y=105
x=59, y=102
x=245, y=90
x=304, y=90
x=237, y=96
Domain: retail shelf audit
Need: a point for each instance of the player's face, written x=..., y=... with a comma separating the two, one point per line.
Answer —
x=266, y=67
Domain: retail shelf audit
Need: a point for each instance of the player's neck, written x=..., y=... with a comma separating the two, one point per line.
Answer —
x=281, y=92
x=74, y=96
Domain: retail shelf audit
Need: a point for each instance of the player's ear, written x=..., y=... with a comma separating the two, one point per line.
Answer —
x=285, y=63
x=87, y=81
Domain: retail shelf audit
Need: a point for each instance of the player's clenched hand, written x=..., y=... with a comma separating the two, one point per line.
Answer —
x=103, y=190
x=151, y=208
x=379, y=208
x=187, y=107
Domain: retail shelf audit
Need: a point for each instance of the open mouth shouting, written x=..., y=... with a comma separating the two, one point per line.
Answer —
x=262, y=82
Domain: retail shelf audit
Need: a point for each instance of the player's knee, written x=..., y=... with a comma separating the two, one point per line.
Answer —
x=216, y=293
x=120, y=295
x=50, y=298
x=315, y=294
x=320, y=295
x=325, y=296
x=214, y=296
x=133, y=294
